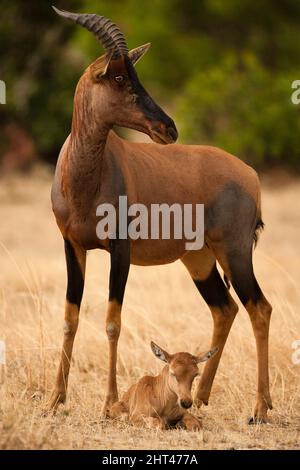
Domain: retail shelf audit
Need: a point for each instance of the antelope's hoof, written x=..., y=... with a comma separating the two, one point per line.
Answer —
x=56, y=399
x=105, y=413
x=260, y=415
x=109, y=402
x=194, y=427
x=257, y=420
x=198, y=402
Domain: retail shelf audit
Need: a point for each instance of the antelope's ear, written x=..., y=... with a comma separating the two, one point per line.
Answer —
x=205, y=356
x=99, y=67
x=136, y=54
x=160, y=353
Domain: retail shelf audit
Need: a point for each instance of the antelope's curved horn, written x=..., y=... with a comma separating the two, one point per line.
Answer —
x=110, y=36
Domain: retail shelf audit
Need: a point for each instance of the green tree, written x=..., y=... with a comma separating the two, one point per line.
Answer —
x=223, y=69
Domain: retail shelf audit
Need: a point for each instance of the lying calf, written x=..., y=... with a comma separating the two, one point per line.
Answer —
x=163, y=400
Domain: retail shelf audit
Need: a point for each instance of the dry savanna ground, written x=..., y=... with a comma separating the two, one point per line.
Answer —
x=161, y=304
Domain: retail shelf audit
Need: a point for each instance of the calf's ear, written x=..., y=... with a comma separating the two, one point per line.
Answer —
x=160, y=353
x=205, y=356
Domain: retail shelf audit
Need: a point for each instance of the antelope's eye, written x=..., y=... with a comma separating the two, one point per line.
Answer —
x=120, y=78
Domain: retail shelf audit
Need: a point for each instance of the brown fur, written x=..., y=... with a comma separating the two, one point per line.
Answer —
x=96, y=166
x=157, y=401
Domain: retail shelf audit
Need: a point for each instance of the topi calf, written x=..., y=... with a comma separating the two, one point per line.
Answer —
x=162, y=401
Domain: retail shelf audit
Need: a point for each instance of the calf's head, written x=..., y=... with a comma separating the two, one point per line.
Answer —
x=182, y=370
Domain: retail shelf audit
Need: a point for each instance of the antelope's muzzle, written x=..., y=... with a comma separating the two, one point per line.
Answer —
x=186, y=403
x=163, y=133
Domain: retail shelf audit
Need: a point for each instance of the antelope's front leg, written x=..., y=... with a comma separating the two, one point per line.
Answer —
x=191, y=423
x=120, y=262
x=76, y=261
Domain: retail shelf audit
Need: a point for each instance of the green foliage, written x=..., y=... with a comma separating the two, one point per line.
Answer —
x=223, y=69
x=246, y=112
x=241, y=101
x=39, y=70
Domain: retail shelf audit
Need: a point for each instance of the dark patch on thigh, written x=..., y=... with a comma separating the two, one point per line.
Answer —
x=232, y=213
x=75, y=277
x=213, y=289
x=234, y=218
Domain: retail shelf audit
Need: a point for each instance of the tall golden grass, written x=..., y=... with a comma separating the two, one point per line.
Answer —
x=161, y=304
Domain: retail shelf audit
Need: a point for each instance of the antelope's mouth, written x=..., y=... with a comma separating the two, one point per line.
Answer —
x=164, y=138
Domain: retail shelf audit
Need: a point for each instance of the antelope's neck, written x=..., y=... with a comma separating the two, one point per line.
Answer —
x=84, y=162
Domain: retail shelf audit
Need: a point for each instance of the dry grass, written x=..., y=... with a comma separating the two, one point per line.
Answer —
x=161, y=304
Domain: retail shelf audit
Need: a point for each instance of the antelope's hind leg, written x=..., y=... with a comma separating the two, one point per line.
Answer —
x=233, y=220
x=120, y=263
x=75, y=260
x=203, y=270
x=259, y=310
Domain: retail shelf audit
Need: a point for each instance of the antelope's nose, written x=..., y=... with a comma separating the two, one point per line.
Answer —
x=172, y=133
x=186, y=403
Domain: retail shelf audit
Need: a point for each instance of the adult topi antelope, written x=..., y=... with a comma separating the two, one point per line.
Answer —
x=95, y=166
